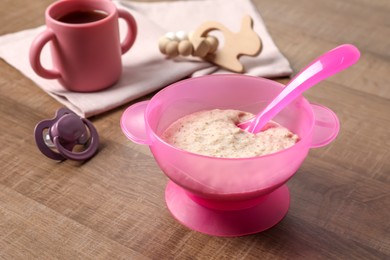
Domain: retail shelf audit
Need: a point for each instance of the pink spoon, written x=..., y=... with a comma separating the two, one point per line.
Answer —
x=323, y=67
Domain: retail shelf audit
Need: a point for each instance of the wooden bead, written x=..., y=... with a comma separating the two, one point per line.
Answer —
x=162, y=44
x=185, y=48
x=171, y=36
x=213, y=43
x=171, y=49
x=181, y=35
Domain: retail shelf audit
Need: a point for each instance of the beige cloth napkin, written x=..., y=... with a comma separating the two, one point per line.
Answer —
x=145, y=69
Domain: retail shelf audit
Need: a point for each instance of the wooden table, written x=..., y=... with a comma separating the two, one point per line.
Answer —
x=113, y=205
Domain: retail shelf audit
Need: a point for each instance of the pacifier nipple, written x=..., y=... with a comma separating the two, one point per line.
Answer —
x=57, y=138
x=70, y=128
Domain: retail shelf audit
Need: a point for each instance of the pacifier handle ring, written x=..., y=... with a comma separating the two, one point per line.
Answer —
x=80, y=156
x=46, y=124
x=41, y=143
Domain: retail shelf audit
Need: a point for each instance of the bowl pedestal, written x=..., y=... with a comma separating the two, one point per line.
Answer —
x=219, y=219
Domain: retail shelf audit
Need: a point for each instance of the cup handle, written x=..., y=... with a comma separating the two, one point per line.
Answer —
x=35, y=55
x=133, y=123
x=132, y=30
x=326, y=126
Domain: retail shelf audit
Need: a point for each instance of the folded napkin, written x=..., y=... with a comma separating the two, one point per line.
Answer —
x=145, y=69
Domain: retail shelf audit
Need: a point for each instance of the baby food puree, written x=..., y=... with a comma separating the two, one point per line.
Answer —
x=215, y=133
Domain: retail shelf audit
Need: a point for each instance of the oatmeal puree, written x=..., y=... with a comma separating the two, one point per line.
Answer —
x=215, y=133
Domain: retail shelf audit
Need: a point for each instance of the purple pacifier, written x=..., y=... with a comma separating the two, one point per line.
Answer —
x=63, y=133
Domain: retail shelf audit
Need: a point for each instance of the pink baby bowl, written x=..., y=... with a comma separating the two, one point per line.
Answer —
x=225, y=196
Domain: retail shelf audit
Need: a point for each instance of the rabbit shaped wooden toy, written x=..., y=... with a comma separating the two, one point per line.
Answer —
x=244, y=42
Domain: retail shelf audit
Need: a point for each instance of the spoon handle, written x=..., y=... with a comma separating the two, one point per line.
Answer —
x=321, y=68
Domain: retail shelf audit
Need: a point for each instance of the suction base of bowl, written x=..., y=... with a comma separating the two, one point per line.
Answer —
x=226, y=223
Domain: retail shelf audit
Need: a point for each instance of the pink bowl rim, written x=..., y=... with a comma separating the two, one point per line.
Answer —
x=168, y=88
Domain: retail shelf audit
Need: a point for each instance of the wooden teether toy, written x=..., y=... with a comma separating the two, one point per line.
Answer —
x=202, y=45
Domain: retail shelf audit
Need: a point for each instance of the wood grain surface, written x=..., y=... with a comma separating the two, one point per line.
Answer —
x=112, y=206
